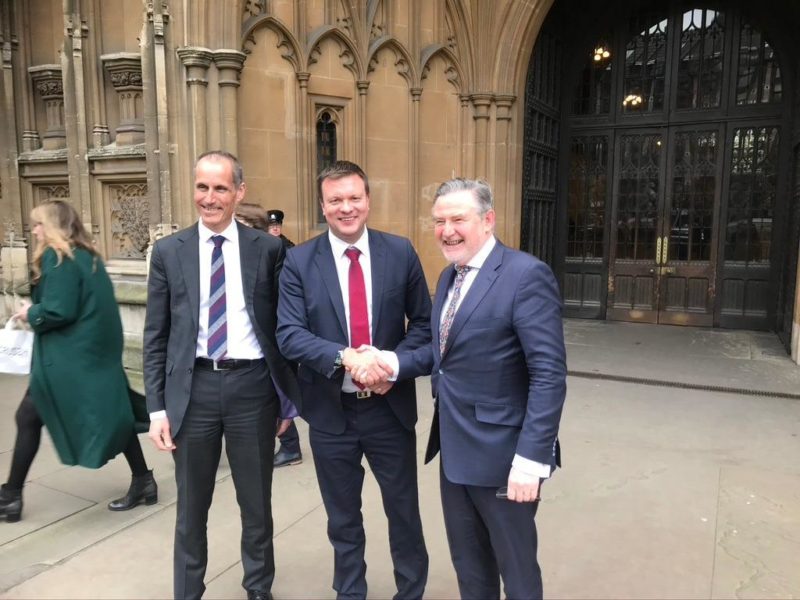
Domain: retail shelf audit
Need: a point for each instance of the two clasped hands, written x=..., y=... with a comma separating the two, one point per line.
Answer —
x=370, y=367
x=376, y=370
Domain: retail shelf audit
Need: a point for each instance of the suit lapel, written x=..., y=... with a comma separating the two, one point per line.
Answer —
x=327, y=272
x=249, y=259
x=378, y=257
x=445, y=281
x=189, y=260
x=483, y=282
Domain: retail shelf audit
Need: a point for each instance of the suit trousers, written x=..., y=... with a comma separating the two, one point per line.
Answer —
x=490, y=538
x=242, y=405
x=372, y=430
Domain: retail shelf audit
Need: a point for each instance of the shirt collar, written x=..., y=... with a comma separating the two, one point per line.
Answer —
x=476, y=262
x=230, y=233
x=338, y=246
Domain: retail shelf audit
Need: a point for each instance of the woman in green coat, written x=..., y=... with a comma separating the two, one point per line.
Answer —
x=78, y=387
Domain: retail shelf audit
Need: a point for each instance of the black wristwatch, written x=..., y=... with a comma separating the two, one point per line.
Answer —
x=339, y=360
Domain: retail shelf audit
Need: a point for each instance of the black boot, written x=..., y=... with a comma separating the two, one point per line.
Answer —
x=143, y=489
x=10, y=504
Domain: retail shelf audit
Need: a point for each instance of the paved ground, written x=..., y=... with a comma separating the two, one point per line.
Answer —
x=666, y=493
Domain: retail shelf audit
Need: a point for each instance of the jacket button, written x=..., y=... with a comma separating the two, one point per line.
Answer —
x=441, y=371
x=189, y=370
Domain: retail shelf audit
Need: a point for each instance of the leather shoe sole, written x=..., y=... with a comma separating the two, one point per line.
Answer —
x=287, y=459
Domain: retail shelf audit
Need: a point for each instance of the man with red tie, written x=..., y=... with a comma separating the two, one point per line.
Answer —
x=349, y=299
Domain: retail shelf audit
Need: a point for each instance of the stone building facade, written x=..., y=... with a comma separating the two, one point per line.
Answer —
x=108, y=102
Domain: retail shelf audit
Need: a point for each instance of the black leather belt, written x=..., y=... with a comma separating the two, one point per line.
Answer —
x=357, y=395
x=226, y=364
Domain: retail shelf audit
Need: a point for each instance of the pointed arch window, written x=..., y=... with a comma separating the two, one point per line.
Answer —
x=327, y=119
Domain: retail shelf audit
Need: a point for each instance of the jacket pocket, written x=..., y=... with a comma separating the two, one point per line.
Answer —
x=500, y=414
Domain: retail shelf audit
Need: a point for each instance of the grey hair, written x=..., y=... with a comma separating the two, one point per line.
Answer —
x=481, y=192
x=236, y=166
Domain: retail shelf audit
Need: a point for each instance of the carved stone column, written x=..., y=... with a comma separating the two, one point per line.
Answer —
x=48, y=84
x=125, y=71
x=229, y=63
x=414, y=156
x=197, y=60
x=465, y=141
x=481, y=103
x=361, y=122
x=306, y=196
x=502, y=167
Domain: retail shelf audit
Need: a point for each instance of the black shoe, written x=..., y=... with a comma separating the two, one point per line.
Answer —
x=143, y=489
x=284, y=458
x=10, y=504
x=258, y=595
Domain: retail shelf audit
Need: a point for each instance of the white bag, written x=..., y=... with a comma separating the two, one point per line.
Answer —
x=16, y=347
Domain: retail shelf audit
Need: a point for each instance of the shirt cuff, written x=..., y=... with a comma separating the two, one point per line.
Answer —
x=530, y=467
x=159, y=414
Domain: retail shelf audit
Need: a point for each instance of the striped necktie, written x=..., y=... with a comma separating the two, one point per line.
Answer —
x=217, y=319
x=444, y=330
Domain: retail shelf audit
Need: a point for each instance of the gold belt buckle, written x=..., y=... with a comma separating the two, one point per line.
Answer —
x=363, y=394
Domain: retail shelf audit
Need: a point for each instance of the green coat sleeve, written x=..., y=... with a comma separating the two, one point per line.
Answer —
x=58, y=303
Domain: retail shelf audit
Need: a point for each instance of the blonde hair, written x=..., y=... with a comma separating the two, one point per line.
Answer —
x=62, y=231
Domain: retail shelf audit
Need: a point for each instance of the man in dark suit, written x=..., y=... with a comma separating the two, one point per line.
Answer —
x=499, y=379
x=347, y=290
x=210, y=360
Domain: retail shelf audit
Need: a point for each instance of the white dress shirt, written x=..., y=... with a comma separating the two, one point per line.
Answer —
x=338, y=247
x=242, y=341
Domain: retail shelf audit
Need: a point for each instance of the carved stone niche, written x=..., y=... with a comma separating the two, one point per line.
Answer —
x=125, y=71
x=50, y=88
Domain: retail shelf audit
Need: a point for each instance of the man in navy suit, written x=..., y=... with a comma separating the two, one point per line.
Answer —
x=499, y=379
x=349, y=299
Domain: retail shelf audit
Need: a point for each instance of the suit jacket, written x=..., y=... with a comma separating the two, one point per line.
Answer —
x=173, y=309
x=312, y=326
x=501, y=382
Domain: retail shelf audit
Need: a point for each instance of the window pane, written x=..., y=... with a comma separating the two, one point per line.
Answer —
x=588, y=191
x=701, y=59
x=759, y=77
x=693, y=185
x=639, y=186
x=593, y=91
x=645, y=67
x=751, y=204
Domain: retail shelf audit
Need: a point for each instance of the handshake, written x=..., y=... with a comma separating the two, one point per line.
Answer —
x=369, y=367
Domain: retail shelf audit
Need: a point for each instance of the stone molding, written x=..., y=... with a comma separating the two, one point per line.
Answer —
x=125, y=72
x=229, y=63
x=49, y=86
x=196, y=60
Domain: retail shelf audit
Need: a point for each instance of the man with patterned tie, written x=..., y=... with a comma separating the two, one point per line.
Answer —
x=346, y=290
x=212, y=367
x=499, y=379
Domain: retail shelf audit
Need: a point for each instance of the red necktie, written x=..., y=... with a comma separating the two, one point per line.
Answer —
x=357, y=293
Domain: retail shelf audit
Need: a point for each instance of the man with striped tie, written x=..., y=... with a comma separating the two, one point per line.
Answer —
x=212, y=367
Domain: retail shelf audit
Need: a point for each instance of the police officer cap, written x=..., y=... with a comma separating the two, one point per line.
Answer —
x=275, y=216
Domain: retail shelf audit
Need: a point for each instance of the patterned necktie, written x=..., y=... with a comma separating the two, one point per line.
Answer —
x=444, y=329
x=217, y=319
